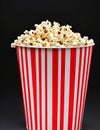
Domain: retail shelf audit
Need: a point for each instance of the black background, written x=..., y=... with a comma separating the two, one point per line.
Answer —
x=19, y=15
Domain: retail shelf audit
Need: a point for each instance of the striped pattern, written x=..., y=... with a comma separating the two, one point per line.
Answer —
x=54, y=86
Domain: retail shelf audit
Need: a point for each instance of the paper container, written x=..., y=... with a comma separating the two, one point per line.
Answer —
x=54, y=86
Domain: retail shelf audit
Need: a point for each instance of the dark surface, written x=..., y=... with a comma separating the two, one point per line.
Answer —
x=18, y=15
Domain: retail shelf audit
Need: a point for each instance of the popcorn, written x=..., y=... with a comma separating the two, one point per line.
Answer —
x=52, y=36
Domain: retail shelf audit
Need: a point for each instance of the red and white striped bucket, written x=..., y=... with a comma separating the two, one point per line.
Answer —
x=54, y=86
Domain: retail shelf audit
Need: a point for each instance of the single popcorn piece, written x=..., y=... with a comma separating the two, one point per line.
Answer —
x=48, y=35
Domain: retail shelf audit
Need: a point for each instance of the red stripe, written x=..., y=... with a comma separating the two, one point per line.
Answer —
x=24, y=88
x=40, y=87
x=62, y=88
x=33, y=62
x=80, y=61
x=71, y=91
x=54, y=88
x=28, y=87
x=82, y=86
x=46, y=121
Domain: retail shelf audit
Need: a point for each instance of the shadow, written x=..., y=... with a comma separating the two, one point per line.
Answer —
x=85, y=126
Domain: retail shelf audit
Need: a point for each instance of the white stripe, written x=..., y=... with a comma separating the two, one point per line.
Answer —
x=31, y=87
x=43, y=87
x=37, y=90
x=84, y=83
x=66, y=91
x=49, y=89
x=80, y=86
x=59, y=88
x=22, y=81
x=76, y=85
x=26, y=85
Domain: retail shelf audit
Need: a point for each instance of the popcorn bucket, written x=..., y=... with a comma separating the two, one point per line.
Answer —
x=54, y=85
